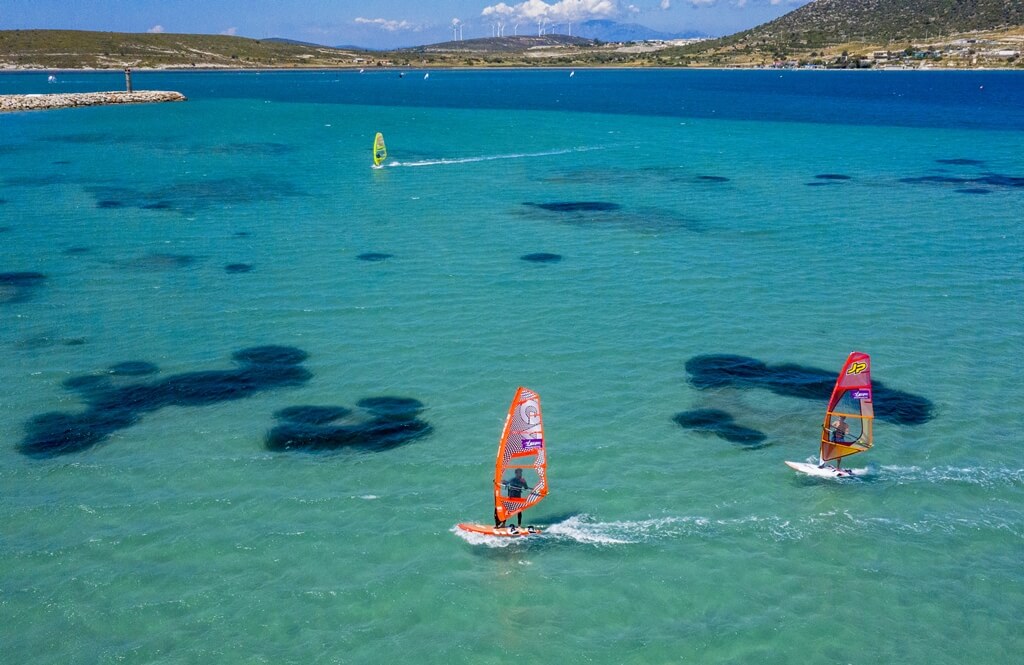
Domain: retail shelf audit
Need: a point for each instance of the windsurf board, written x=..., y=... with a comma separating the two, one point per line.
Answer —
x=501, y=531
x=826, y=471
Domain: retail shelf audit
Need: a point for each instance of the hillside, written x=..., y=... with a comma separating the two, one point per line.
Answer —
x=888, y=20
x=74, y=49
x=70, y=49
x=870, y=24
x=826, y=33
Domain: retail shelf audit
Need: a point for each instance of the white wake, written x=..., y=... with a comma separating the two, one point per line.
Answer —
x=486, y=158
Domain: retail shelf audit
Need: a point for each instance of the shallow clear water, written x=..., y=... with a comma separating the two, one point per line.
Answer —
x=174, y=531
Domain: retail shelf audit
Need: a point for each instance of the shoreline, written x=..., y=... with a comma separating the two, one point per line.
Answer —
x=421, y=67
x=42, y=102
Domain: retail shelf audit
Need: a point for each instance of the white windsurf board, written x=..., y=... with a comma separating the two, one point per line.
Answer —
x=826, y=471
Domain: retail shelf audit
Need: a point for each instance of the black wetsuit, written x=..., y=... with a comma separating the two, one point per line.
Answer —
x=515, y=486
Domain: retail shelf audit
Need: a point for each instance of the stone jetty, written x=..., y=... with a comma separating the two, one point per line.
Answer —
x=73, y=99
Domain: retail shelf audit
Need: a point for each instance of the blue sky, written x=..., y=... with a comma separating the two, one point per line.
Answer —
x=383, y=23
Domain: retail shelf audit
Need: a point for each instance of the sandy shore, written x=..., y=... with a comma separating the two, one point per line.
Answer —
x=72, y=99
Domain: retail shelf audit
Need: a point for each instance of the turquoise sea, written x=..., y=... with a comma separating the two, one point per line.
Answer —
x=251, y=384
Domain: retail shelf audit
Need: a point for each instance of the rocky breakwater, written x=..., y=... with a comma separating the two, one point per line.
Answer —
x=73, y=99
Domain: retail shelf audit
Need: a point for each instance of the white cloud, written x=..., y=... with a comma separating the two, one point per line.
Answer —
x=666, y=4
x=156, y=29
x=583, y=10
x=230, y=32
x=563, y=10
x=534, y=9
x=499, y=10
x=386, y=24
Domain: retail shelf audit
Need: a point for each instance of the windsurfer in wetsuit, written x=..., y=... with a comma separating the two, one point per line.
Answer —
x=839, y=429
x=515, y=485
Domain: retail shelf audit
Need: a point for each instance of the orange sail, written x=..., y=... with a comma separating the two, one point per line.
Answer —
x=847, y=429
x=520, y=471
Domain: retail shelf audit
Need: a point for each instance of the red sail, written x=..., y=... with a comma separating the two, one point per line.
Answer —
x=847, y=429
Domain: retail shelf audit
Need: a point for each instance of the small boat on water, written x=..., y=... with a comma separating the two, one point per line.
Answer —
x=847, y=429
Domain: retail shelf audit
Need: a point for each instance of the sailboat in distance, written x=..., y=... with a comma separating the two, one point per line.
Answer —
x=380, y=151
x=520, y=470
x=847, y=429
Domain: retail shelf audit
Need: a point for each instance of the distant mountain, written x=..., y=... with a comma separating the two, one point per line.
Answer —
x=613, y=31
x=825, y=22
x=515, y=44
x=586, y=33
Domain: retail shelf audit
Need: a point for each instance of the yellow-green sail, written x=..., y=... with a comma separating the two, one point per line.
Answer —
x=380, y=151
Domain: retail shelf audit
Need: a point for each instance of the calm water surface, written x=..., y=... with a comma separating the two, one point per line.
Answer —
x=252, y=384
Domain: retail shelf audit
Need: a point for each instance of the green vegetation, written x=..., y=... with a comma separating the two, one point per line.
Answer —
x=73, y=49
x=880, y=23
x=823, y=33
x=832, y=21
